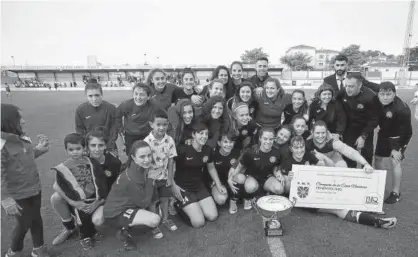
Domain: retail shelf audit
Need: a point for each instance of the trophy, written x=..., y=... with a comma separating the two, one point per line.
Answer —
x=273, y=207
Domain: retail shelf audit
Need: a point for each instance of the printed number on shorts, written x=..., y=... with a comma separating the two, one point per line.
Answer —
x=128, y=213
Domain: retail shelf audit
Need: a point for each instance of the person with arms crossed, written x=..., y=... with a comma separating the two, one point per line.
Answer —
x=393, y=137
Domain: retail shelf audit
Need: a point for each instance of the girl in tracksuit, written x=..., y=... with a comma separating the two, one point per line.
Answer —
x=20, y=183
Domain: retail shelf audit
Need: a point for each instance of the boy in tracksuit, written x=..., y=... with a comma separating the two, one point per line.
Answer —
x=394, y=135
x=81, y=182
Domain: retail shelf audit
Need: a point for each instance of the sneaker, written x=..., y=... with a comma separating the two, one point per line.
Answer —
x=247, y=204
x=169, y=224
x=233, y=208
x=157, y=234
x=171, y=209
x=386, y=222
x=393, y=198
x=98, y=237
x=10, y=253
x=86, y=243
x=63, y=236
x=128, y=243
x=40, y=252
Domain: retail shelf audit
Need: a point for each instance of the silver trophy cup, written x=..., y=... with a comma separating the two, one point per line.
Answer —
x=272, y=208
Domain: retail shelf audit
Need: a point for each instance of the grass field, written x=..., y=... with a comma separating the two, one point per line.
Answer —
x=306, y=234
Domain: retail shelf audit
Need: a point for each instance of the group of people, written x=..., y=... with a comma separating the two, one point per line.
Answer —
x=191, y=149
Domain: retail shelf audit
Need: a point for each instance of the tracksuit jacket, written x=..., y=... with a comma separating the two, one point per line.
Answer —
x=19, y=174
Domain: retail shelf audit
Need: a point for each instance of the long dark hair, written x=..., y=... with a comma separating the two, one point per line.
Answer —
x=10, y=119
x=178, y=131
x=304, y=108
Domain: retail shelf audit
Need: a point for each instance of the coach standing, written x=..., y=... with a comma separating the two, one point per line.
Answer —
x=338, y=79
x=361, y=107
x=394, y=135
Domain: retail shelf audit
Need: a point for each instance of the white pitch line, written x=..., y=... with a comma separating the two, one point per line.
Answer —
x=275, y=244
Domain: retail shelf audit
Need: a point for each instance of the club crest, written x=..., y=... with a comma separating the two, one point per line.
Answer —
x=389, y=114
x=303, y=189
x=273, y=159
x=205, y=159
x=244, y=132
x=360, y=106
x=232, y=161
x=108, y=173
x=251, y=110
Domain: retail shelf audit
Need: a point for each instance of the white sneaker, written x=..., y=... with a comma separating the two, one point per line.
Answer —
x=247, y=204
x=233, y=208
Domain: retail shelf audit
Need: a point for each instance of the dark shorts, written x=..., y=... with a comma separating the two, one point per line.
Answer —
x=384, y=147
x=125, y=218
x=162, y=189
x=190, y=197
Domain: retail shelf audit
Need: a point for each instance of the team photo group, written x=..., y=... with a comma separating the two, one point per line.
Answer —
x=192, y=149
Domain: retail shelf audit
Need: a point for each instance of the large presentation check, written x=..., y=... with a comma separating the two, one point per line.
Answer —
x=338, y=188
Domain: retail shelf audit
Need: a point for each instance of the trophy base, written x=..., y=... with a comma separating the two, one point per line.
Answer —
x=273, y=228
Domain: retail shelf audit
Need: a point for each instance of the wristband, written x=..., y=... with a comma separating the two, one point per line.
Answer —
x=8, y=202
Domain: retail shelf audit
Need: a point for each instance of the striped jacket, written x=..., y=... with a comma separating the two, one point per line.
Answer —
x=73, y=189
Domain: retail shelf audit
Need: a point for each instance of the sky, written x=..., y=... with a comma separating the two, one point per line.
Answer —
x=193, y=31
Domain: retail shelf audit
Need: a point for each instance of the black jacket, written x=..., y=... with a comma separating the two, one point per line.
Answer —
x=332, y=81
x=395, y=123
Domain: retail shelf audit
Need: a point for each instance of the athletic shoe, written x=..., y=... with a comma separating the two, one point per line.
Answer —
x=128, y=243
x=98, y=237
x=86, y=243
x=233, y=208
x=171, y=209
x=63, y=236
x=157, y=234
x=169, y=224
x=40, y=252
x=247, y=204
x=10, y=253
x=393, y=198
x=386, y=222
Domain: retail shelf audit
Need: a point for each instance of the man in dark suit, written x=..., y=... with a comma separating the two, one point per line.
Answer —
x=337, y=80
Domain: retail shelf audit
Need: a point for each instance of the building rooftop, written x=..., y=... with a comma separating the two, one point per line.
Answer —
x=327, y=51
x=300, y=47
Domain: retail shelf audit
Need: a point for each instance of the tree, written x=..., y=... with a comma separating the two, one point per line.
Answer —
x=355, y=56
x=251, y=56
x=297, y=61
